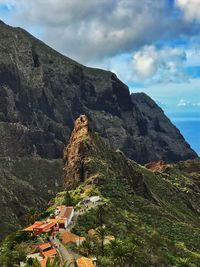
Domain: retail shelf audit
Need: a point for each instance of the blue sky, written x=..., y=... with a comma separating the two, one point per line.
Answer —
x=153, y=46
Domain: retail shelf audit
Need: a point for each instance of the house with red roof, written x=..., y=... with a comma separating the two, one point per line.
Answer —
x=65, y=215
x=68, y=237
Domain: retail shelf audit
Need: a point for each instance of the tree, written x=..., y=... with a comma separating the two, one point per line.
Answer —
x=101, y=234
x=184, y=262
x=32, y=215
x=67, y=199
x=86, y=248
x=122, y=253
x=54, y=263
x=32, y=263
x=50, y=263
x=67, y=264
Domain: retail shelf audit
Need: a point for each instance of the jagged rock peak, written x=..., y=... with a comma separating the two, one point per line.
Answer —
x=81, y=128
x=78, y=146
x=79, y=133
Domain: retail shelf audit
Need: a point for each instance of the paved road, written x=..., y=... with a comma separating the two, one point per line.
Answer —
x=63, y=251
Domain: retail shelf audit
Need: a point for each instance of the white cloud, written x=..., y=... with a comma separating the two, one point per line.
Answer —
x=159, y=65
x=93, y=29
x=145, y=65
x=191, y=8
x=182, y=103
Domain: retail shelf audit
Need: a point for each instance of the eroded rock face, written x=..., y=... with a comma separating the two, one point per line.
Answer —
x=159, y=166
x=43, y=92
x=88, y=159
x=80, y=144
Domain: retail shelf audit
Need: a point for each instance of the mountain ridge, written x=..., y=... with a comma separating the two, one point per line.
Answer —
x=45, y=92
x=151, y=214
x=156, y=205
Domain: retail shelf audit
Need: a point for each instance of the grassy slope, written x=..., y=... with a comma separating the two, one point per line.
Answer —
x=25, y=183
x=160, y=211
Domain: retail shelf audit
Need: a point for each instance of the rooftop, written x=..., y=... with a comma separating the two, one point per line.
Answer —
x=31, y=227
x=44, y=246
x=49, y=253
x=84, y=262
x=68, y=237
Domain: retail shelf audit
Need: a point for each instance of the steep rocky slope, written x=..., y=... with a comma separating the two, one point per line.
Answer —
x=157, y=209
x=26, y=183
x=42, y=92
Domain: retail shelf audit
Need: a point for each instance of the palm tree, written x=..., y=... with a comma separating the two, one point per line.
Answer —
x=86, y=248
x=183, y=262
x=32, y=263
x=50, y=263
x=123, y=254
x=67, y=264
x=101, y=234
x=54, y=263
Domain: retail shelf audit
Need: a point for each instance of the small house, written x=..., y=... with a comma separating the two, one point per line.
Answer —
x=68, y=237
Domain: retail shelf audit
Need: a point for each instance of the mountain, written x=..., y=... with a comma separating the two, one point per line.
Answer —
x=26, y=183
x=145, y=215
x=153, y=208
x=42, y=93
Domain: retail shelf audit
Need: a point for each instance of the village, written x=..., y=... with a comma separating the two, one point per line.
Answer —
x=55, y=238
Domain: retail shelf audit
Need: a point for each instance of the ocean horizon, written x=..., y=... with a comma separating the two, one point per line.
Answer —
x=189, y=125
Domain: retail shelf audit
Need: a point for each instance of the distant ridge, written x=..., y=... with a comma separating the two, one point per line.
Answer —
x=43, y=92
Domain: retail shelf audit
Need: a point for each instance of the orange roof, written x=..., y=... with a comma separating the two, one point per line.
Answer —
x=35, y=225
x=84, y=262
x=43, y=262
x=44, y=246
x=49, y=253
x=65, y=212
x=46, y=227
x=68, y=237
x=54, y=220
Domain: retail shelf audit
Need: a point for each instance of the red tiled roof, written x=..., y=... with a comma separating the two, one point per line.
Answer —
x=84, y=262
x=68, y=237
x=44, y=246
x=49, y=253
x=46, y=227
x=31, y=227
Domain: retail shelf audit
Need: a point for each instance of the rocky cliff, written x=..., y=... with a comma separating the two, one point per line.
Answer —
x=43, y=92
x=156, y=209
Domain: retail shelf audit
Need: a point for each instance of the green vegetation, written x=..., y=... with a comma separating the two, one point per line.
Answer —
x=26, y=183
x=154, y=214
x=153, y=217
x=15, y=248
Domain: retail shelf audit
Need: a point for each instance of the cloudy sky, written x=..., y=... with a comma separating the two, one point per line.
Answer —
x=152, y=45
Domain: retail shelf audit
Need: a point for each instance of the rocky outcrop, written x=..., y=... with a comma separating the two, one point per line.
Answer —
x=136, y=200
x=74, y=154
x=88, y=159
x=159, y=166
x=43, y=92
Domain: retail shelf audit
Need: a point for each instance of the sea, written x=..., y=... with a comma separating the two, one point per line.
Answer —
x=189, y=125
